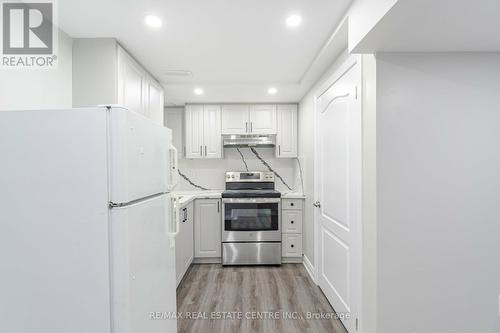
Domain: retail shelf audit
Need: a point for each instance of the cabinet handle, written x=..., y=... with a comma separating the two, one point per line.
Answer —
x=279, y=150
x=251, y=126
x=246, y=127
x=201, y=150
x=205, y=150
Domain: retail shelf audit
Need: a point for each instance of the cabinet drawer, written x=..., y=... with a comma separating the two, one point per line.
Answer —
x=291, y=203
x=292, y=245
x=292, y=221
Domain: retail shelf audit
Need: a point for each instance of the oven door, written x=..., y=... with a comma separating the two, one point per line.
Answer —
x=251, y=220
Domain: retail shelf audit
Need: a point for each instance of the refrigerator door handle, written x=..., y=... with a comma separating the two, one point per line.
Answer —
x=174, y=163
x=173, y=234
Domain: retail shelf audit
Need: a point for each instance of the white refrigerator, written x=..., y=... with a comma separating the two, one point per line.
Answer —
x=86, y=234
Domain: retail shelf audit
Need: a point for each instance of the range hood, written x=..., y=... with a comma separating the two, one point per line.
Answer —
x=242, y=141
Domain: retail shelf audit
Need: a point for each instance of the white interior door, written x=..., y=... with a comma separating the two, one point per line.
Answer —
x=143, y=267
x=338, y=189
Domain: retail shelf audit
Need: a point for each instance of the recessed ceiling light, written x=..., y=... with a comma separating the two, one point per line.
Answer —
x=178, y=72
x=153, y=21
x=198, y=91
x=272, y=91
x=293, y=20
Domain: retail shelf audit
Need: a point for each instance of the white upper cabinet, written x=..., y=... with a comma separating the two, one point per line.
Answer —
x=235, y=119
x=203, y=131
x=194, y=131
x=132, y=84
x=154, y=101
x=248, y=119
x=286, y=138
x=262, y=119
x=104, y=73
x=212, y=131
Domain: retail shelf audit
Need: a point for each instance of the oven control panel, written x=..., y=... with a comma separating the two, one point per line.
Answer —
x=249, y=176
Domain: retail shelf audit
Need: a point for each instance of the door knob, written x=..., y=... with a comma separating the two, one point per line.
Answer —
x=317, y=204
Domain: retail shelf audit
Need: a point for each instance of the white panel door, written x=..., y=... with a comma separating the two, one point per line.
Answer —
x=286, y=138
x=338, y=189
x=154, y=102
x=131, y=83
x=208, y=228
x=143, y=264
x=139, y=154
x=235, y=119
x=212, y=137
x=194, y=131
x=263, y=119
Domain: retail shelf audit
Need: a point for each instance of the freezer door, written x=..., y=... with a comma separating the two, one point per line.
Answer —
x=139, y=156
x=143, y=268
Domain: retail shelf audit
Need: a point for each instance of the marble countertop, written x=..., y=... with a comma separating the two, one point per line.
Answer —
x=185, y=197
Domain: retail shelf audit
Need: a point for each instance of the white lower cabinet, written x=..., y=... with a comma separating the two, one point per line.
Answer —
x=207, y=228
x=292, y=214
x=291, y=245
x=184, y=247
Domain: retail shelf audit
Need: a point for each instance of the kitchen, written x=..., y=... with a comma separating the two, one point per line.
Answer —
x=242, y=166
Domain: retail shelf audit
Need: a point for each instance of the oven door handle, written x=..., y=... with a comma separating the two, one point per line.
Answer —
x=249, y=200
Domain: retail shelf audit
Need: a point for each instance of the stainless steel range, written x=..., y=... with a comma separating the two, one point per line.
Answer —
x=251, y=219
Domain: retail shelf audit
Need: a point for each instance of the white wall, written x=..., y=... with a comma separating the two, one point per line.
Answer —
x=210, y=173
x=22, y=89
x=306, y=154
x=364, y=16
x=438, y=201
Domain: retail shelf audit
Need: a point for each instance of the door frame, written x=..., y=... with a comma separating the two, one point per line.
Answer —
x=348, y=64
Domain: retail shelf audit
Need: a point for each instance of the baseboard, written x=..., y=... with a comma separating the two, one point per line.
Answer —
x=309, y=268
x=291, y=260
x=207, y=260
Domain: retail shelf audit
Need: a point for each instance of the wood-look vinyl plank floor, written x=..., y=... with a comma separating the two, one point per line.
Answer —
x=210, y=290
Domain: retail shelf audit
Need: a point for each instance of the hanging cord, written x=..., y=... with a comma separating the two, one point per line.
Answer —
x=190, y=182
x=269, y=167
x=301, y=176
x=242, y=158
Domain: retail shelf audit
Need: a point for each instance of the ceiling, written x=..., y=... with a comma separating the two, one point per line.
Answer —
x=436, y=26
x=235, y=49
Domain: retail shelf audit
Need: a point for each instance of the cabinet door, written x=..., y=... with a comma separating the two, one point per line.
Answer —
x=180, y=241
x=212, y=138
x=190, y=236
x=262, y=119
x=207, y=228
x=194, y=131
x=184, y=243
x=154, y=101
x=131, y=83
x=286, y=138
x=235, y=119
